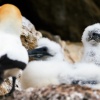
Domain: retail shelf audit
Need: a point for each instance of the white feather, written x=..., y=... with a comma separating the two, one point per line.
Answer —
x=43, y=73
x=12, y=46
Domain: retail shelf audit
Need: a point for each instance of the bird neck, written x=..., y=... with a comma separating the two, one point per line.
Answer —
x=9, y=27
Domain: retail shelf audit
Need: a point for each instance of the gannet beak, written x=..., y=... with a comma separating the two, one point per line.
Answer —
x=39, y=53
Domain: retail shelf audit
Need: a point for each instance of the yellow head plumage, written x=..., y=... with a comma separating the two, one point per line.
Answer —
x=10, y=19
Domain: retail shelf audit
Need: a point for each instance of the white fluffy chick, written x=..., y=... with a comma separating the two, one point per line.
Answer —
x=50, y=69
x=86, y=73
x=13, y=56
x=44, y=73
x=91, y=43
x=47, y=50
x=49, y=54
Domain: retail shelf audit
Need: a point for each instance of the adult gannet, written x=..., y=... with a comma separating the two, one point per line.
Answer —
x=13, y=56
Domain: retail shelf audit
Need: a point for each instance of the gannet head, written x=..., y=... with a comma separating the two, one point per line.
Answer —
x=91, y=34
x=47, y=50
x=10, y=19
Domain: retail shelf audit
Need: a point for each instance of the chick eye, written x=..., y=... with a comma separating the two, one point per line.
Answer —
x=94, y=34
x=45, y=49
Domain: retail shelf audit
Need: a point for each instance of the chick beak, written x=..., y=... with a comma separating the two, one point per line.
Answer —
x=38, y=53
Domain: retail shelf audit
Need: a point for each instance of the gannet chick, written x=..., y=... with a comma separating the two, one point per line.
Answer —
x=86, y=73
x=91, y=43
x=44, y=73
x=13, y=56
x=47, y=50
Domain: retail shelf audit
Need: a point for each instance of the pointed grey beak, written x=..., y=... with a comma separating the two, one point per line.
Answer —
x=38, y=52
